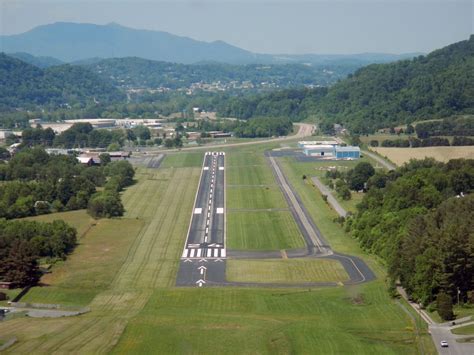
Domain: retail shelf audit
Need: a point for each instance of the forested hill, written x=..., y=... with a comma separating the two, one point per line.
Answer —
x=437, y=85
x=133, y=72
x=440, y=84
x=26, y=86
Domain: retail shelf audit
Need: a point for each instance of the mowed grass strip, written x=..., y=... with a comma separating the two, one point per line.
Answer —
x=263, y=231
x=246, y=197
x=183, y=160
x=92, y=266
x=466, y=330
x=357, y=320
x=285, y=271
x=249, y=175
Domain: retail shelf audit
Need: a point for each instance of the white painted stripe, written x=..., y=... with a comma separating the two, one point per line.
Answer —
x=209, y=253
x=192, y=253
x=185, y=253
x=197, y=210
x=207, y=230
x=207, y=222
x=216, y=253
x=206, y=168
x=205, y=239
x=223, y=253
x=220, y=210
x=221, y=168
x=208, y=214
x=199, y=253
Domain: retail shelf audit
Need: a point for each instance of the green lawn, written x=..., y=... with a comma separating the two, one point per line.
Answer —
x=247, y=197
x=179, y=160
x=285, y=271
x=249, y=175
x=466, y=330
x=358, y=320
x=78, y=219
x=263, y=231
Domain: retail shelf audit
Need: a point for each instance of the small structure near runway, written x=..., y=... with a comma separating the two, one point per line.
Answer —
x=329, y=150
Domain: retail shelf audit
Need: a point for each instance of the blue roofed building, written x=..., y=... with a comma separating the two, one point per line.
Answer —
x=348, y=152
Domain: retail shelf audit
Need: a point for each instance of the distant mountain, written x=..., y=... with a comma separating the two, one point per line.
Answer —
x=23, y=85
x=71, y=42
x=40, y=62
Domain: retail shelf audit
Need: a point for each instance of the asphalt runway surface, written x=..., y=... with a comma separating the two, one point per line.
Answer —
x=197, y=269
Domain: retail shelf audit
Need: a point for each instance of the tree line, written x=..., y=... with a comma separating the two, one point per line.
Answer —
x=35, y=182
x=418, y=218
x=24, y=243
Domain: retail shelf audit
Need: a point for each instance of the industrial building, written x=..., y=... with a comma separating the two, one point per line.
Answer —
x=332, y=150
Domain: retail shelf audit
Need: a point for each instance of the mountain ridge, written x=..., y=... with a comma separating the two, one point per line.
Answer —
x=70, y=42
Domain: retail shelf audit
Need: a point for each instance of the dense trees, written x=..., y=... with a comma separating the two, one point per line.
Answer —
x=454, y=126
x=26, y=86
x=412, y=219
x=22, y=243
x=37, y=183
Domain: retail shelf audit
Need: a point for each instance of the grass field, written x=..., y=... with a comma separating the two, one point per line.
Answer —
x=466, y=330
x=77, y=219
x=263, y=231
x=188, y=160
x=255, y=197
x=285, y=271
x=139, y=310
x=402, y=155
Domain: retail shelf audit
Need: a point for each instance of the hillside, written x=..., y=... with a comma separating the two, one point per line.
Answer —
x=72, y=42
x=135, y=72
x=23, y=85
x=41, y=62
x=438, y=85
x=380, y=95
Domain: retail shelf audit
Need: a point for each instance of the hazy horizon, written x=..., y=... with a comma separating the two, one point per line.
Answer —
x=273, y=27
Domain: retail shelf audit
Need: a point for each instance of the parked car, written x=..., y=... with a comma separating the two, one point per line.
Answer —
x=444, y=344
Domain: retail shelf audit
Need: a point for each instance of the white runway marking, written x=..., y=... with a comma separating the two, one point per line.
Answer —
x=216, y=253
x=206, y=168
x=197, y=210
x=220, y=210
x=223, y=253
x=185, y=253
x=209, y=253
x=192, y=253
x=221, y=168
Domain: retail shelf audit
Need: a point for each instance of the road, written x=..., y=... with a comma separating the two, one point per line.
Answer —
x=442, y=331
x=331, y=200
x=206, y=234
x=304, y=130
x=386, y=164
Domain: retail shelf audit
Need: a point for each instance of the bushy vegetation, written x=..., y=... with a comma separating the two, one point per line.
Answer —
x=37, y=183
x=22, y=243
x=412, y=219
x=454, y=126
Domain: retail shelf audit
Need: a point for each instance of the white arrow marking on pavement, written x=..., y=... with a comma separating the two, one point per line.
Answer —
x=188, y=261
x=200, y=282
x=203, y=261
x=218, y=260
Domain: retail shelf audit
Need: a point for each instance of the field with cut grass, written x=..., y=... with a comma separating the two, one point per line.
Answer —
x=285, y=271
x=188, y=160
x=400, y=156
x=263, y=231
x=136, y=308
x=78, y=219
x=255, y=197
x=466, y=330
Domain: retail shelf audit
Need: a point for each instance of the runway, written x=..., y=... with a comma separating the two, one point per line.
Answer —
x=206, y=234
x=203, y=262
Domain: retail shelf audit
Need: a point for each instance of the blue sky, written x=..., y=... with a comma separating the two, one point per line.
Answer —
x=338, y=26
